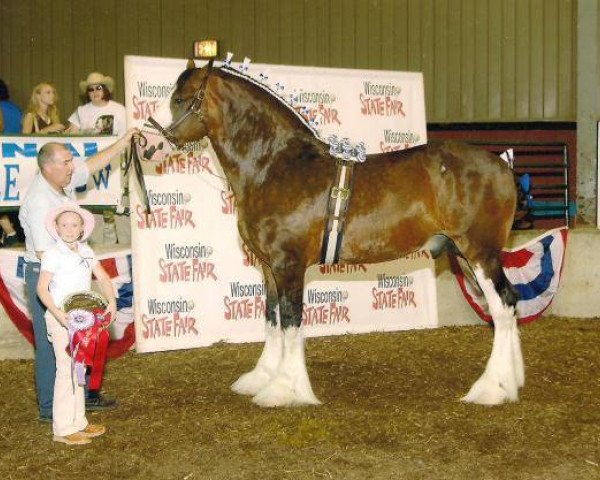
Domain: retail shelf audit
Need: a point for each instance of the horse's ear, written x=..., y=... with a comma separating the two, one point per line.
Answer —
x=190, y=64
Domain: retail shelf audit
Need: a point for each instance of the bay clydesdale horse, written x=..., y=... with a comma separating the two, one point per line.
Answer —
x=432, y=196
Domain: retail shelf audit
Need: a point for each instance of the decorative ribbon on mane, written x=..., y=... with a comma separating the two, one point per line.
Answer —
x=88, y=342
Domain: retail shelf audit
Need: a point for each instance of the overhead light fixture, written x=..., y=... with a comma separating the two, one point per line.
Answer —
x=205, y=49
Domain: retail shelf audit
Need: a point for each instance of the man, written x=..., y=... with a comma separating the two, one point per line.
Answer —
x=53, y=185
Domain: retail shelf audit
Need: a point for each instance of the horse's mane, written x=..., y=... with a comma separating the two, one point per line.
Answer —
x=272, y=94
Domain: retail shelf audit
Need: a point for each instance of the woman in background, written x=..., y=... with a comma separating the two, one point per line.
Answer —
x=42, y=114
x=100, y=115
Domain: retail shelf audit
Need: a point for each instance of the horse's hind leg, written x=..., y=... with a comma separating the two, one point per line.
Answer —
x=504, y=372
x=291, y=384
x=252, y=382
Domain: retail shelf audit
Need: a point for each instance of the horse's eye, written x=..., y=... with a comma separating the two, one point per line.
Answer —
x=178, y=100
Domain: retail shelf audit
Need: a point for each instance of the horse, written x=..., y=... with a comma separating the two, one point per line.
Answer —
x=439, y=196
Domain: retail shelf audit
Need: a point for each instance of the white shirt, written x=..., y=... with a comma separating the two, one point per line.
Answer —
x=109, y=119
x=71, y=271
x=39, y=200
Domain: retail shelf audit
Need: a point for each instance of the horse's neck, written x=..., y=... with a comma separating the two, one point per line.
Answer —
x=249, y=132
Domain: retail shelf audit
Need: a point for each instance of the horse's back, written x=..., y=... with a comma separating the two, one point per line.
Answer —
x=439, y=169
x=401, y=199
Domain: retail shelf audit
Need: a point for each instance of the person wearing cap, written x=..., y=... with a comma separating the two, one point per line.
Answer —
x=100, y=115
x=66, y=268
x=54, y=184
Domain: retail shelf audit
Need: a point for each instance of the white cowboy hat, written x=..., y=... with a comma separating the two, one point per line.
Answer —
x=96, y=78
x=88, y=219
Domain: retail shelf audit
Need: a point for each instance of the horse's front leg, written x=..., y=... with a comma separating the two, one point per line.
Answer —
x=252, y=382
x=290, y=384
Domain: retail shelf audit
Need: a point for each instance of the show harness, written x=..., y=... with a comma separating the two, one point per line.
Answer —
x=339, y=196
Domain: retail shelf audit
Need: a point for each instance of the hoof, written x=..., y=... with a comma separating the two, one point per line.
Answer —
x=488, y=391
x=280, y=394
x=252, y=382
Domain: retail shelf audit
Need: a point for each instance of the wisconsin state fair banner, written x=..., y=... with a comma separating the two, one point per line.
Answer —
x=195, y=281
x=19, y=166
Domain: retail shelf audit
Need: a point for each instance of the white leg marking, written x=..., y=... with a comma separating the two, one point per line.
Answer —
x=291, y=385
x=504, y=372
x=252, y=382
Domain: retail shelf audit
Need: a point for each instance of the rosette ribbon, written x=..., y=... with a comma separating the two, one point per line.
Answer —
x=88, y=342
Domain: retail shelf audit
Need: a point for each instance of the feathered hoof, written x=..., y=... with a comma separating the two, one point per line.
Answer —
x=489, y=391
x=252, y=382
x=280, y=394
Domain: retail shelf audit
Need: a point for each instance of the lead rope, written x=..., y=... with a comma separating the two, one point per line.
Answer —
x=134, y=159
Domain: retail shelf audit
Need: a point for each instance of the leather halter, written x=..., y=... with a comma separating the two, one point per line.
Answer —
x=195, y=108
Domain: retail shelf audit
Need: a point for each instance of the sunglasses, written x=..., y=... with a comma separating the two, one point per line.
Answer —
x=96, y=88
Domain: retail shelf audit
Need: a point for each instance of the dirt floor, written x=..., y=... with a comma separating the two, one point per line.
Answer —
x=390, y=410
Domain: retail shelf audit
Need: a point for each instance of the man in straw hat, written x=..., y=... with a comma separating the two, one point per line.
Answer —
x=59, y=174
x=100, y=115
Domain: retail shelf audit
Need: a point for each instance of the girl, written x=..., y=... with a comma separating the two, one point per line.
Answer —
x=67, y=268
x=42, y=113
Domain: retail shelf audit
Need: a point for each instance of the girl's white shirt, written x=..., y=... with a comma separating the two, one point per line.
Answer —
x=71, y=271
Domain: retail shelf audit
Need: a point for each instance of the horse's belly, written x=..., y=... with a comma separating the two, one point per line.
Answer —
x=373, y=238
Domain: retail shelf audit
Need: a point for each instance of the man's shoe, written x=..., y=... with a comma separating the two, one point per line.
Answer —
x=76, y=438
x=45, y=419
x=100, y=403
x=93, y=430
x=10, y=240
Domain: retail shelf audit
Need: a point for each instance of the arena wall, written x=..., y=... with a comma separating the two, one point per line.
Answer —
x=483, y=60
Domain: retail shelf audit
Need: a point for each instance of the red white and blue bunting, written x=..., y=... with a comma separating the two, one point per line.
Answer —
x=534, y=269
x=13, y=296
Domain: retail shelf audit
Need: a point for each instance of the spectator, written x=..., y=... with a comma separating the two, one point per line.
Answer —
x=10, y=123
x=100, y=115
x=42, y=114
x=10, y=113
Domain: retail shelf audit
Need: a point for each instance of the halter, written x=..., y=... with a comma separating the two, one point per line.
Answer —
x=195, y=108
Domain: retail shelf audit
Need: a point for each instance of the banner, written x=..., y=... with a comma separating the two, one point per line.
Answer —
x=195, y=281
x=19, y=166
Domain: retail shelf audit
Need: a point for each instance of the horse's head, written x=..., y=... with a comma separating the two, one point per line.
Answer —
x=183, y=120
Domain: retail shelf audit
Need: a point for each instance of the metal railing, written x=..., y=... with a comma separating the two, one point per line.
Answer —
x=547, y=164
